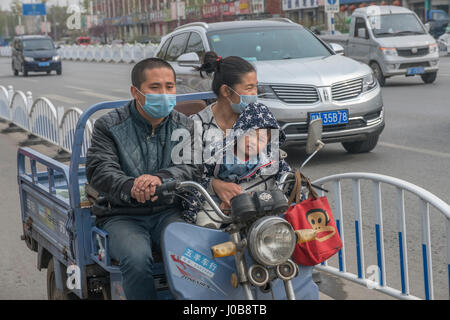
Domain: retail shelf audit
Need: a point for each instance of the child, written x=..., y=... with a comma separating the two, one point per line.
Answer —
x=253, y=162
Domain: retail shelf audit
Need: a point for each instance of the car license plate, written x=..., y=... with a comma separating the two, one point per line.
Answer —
x=330, y=117
x=415, y=70
x=43, y=64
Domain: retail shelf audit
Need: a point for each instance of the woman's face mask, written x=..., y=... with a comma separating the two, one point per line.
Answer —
x=245, y=100
x=158, y=106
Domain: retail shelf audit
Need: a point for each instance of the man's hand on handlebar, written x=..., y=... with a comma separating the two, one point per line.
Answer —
x=225, y=190
x=144, y=188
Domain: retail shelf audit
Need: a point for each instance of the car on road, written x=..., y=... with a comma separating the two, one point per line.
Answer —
x=300, y=77
x=34, y=53
x=392, y=41
x=83, y=41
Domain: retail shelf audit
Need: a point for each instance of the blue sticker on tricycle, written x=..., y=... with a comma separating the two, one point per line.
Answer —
x=199, y=262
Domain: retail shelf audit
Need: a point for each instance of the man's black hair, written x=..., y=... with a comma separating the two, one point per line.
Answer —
x=138, y=74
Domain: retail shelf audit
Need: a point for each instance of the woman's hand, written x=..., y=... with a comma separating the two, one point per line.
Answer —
x=144, y=188
x=225, y=190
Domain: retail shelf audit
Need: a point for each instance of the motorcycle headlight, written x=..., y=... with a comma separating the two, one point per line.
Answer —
x=56, y=58
x=433, y=48
x=271, y=241
x=369, y=82
x=266, y=92
x=28, y=59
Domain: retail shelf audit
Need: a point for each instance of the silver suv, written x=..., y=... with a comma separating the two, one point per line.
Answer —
x=300, y=77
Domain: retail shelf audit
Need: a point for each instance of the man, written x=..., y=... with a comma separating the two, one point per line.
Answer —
x=130, y=155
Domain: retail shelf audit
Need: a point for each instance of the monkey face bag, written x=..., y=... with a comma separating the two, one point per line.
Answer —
x=317, y=236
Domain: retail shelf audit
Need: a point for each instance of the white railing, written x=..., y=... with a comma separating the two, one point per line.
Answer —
x=42, y=119
x=20, y=109
x=4, y=103
x=399, y=215
x=67, y=129
x=127, y=53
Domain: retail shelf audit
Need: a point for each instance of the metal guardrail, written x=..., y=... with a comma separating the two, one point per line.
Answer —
x=107, y=53
x=426, y=199
x=42, y=119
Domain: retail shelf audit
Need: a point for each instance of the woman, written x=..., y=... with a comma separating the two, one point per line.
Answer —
x=235, y=85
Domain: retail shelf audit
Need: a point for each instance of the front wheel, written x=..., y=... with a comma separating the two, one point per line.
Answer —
x=52, y=291
x=59, y=72
x=378, y=73
x=361, y=146
x=429, y=77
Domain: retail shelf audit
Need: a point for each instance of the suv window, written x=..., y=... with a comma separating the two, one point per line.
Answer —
x=195, y=44
x=360, y=23
x=177, y=46
x=162, y=53
x=263, y=44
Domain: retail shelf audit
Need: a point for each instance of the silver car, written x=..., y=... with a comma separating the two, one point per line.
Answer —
x=300, y=77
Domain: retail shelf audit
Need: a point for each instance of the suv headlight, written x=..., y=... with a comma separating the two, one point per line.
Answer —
x=369, y=82
x=56, y=58
x=389, y=51
x=271, y=241
x=266, y=92
x=433, y=48
x=28, y=59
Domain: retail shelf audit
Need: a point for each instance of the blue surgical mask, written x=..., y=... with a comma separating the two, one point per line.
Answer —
x=245, y=100
x=158, y=106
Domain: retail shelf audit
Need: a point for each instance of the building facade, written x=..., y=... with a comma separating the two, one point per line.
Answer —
x=130, y=20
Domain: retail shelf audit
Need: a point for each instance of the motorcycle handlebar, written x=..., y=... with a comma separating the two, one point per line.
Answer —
x=172, y=186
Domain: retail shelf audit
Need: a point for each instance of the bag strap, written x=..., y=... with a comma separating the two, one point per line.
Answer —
x=311, y=192
x=297, y=189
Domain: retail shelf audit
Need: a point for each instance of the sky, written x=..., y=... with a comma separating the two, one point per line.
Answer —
x=6, y=4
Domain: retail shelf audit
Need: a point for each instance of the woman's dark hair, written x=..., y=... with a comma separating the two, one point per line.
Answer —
x=227, y=71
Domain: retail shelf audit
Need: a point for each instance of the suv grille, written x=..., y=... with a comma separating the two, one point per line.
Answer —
x=414, y=64
x=346, y=90
x=296, y=93
x=409, y=52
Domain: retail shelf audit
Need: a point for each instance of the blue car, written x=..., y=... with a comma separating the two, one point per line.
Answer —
x=34, y=53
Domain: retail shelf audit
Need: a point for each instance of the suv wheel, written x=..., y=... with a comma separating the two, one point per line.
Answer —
x=378, y=73
x=429, y=77
x=361, y=146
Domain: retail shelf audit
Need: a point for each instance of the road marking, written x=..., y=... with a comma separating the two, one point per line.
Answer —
x=418, y=150
x=77, y=88
x=52, y=96
x=100, y=95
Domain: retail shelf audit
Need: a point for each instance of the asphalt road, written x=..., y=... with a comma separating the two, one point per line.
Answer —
x=414, y=147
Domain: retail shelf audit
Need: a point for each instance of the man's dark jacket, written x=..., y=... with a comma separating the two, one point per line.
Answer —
x=124, y=146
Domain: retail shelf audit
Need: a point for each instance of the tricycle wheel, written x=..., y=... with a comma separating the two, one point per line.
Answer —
x=52, y=291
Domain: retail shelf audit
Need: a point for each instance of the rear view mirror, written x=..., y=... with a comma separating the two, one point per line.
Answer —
x=428, y=27
x=190, y=59
x=337, y=48
x=314, y=135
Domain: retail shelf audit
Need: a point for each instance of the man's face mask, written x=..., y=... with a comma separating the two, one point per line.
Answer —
x=245, y=100
x=158, y=106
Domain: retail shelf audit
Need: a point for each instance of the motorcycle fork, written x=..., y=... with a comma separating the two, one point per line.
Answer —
x=241, y=266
